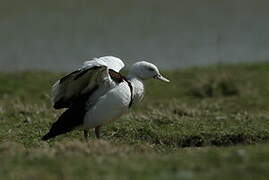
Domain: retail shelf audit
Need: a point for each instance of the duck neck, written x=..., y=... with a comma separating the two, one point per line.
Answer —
x=138, y=88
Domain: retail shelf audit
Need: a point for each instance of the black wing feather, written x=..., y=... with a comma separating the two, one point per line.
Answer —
x=69, y=120
x=68, y=76
x=63, y=98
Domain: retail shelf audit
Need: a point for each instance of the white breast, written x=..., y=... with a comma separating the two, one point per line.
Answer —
x=108, y=107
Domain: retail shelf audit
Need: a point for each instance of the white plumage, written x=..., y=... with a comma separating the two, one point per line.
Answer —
x=97, y=93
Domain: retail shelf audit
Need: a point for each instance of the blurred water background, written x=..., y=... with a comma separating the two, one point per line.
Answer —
x=61, y=34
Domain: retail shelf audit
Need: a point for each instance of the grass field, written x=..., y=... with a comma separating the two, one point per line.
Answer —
x=209, y=123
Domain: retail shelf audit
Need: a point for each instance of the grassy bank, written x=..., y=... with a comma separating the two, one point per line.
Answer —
x=209, y=122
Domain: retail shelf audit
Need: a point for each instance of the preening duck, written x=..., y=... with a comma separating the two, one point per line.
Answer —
x=97, y=93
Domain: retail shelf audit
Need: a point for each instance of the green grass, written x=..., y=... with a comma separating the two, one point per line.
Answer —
x=208, y=123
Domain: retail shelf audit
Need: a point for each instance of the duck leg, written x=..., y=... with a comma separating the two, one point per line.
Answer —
x=97, y=132
x=86, y=134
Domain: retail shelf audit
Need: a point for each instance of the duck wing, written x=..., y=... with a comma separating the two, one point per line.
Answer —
x=94, y=74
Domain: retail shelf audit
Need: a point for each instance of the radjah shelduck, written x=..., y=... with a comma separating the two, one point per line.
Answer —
x=97, y=93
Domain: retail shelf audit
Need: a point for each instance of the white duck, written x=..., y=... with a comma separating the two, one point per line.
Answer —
x=97, y=93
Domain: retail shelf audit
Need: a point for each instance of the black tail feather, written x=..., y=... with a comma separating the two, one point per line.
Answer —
x=67, y=122
x=47, y=136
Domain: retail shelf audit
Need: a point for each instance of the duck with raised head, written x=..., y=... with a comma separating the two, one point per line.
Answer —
x=97, y=93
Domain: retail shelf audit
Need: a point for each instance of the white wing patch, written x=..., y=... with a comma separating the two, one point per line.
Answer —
x=109, y=61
